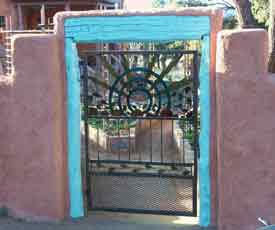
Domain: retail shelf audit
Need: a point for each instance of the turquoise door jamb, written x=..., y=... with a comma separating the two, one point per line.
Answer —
x=204, y=140
x=73, y=123
x=134, y=29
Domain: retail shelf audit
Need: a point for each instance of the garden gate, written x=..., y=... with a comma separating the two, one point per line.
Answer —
x=140, y=130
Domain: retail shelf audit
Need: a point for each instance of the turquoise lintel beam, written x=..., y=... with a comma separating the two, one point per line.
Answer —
x=143, y=28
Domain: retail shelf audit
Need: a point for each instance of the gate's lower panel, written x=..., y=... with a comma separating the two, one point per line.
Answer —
x=145, y=194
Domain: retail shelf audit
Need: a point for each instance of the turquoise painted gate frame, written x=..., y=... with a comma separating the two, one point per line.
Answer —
x=154, y=28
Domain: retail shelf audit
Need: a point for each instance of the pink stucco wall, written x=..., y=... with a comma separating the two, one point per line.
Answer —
x=5, y=8
x=33, y=149
x=8, y=9
x=33, y=178
x=245, y=130
x=5, y=104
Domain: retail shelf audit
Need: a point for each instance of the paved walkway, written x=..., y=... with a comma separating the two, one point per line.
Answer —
x=107, y=221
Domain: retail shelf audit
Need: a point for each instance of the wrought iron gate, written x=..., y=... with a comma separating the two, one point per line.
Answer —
x=140, y=129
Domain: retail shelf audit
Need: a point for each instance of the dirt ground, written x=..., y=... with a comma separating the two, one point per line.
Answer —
x=106, y=221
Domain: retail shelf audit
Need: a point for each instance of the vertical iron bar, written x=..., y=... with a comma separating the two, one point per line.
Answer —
x=140, y=127
x=108, y=145
x=173, y=145
x=183, y=137
x=119, y=141
x=86, y=124
x=190, y=64
x=110, y=134
x=97, y=139
x=186, y=66
x=151, y=142
x=161, y=142
x=129, y=140
x=195, y=127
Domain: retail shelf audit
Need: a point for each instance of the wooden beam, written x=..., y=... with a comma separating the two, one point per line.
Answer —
x=67, y=6
x=37, y=3
x=20, y=17
x=43, y=15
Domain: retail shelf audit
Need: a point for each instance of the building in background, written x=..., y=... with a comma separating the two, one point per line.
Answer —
x=34, y=14
x=137, y=4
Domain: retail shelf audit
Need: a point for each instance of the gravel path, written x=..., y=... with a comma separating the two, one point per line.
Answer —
x=103, y=221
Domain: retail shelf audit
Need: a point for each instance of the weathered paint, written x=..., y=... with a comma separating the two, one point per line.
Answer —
x=136, y=28
x=73, y=107
x=143, y=29
x=204, y=162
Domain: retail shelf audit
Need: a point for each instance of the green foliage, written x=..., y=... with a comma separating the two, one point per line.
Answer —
x=188, y=132
x=260, y=10
x=190, y=135
x=112, y=127
x=190, y=3
x=159, y=3
x=230, y=22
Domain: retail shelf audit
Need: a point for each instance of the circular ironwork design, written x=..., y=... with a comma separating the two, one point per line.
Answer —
x=139, y=91
x=142, y=98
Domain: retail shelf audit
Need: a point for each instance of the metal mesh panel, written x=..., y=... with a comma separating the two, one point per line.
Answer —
x=144, y=194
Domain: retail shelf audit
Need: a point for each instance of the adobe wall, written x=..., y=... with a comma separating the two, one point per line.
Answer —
x=33, y=115
x=33, y=174
x=245, y=130
x=33, y=136
x=5, y=8
x=5, y=104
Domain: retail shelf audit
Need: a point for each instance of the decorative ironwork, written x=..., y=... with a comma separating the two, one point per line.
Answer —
x=139, y=91
x=141, y=135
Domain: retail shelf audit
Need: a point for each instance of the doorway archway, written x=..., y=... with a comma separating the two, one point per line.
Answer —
x=114, y=26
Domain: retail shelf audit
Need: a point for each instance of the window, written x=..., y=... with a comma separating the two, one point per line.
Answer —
x=2, y=22
x=107, y=6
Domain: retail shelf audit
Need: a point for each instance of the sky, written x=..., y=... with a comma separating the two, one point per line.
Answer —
x=138, y=4
x=147, y=4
